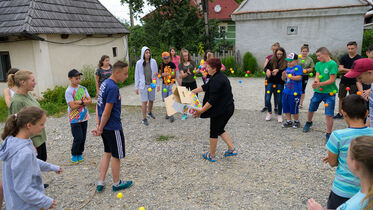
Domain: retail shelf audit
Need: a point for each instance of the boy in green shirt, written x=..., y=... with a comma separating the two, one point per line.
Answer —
x=325, y=89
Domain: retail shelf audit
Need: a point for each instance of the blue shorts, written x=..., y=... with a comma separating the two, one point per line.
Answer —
x=290, y=103
x=327, y=99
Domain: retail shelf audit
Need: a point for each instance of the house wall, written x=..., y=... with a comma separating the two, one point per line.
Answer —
x=51, y=62
x=333, y=32
x=64, y=57
x=21, y=55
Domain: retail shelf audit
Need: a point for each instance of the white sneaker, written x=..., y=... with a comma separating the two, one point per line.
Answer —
x=279, y=118
x=268, y=117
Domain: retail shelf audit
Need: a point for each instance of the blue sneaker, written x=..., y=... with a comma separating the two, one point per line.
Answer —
x=80, y=158
x=122, y=185
x=74, y=158
x=100, y=188
x=307, y=126
x=184, y=117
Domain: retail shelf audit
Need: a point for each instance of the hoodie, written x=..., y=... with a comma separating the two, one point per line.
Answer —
x=22, y=180
x=139, y=71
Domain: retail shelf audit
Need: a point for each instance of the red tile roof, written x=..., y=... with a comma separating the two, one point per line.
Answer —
x=227, y=8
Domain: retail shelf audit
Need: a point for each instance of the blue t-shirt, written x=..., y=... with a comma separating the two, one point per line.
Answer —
x=109, y=93
x=293, y=86
x=354, y=203
x=345, y=183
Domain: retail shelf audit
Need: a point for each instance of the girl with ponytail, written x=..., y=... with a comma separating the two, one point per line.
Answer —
x=21, y=170
x=11, y=89
x=360, y=163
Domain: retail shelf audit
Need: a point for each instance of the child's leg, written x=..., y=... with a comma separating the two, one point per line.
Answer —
x=143, y=106
x=104, y=165
x=309, y=116
x=227, y=139
x=279, y=98
x=296, y=117
x=150, y=108
x=76, y=131
x=268, y=97
x=115, y=169
x=288, y=116
x=329, y=124
x=84, y=131
x=213, y=143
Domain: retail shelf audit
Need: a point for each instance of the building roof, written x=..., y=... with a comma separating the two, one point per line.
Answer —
x=57, y=17
x=227, y=7
x=268, y=6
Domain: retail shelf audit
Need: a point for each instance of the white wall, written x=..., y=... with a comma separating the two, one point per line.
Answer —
x=21, y=56
x=333, y=32
x=86, y=52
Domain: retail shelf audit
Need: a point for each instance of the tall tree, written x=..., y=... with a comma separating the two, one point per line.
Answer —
x=135, y=7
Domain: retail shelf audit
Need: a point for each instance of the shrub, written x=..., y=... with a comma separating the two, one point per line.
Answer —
x=88, y=79
x=367, y=41
x=249, y=63
x=53, y=100
x=3, y=110
x=230, y=63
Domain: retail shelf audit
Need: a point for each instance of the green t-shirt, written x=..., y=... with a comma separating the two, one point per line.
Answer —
x=325, y=69
x=20, y=101
x=306, y=63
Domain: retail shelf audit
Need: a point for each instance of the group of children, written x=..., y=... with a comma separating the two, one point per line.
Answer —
x=24, y=128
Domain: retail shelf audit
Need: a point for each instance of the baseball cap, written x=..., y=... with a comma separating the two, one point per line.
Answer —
x=291, y=57
x=360, y=66
x=165, y=55
x=74, y=73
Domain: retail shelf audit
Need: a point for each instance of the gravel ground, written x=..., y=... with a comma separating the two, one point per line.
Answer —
x=276, y=168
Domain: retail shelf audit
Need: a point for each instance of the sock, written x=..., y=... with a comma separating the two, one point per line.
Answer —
x=296, y=121
x=100, y=183
x=288, y=121
x=117, y=184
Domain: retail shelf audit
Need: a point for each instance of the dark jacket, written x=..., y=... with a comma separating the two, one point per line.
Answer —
x=218, y=92
x=274, y=79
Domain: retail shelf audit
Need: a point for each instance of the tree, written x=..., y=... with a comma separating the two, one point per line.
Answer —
x=135, y=7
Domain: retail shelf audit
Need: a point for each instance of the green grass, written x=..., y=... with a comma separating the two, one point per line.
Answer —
x=164, y=138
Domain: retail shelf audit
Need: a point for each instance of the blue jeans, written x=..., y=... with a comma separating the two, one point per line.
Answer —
x=273, y=90
x=79, y=131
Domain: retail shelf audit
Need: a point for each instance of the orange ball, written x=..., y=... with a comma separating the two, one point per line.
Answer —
x=159, y=76
x=265, y=81
x=274, y=86
x=358, y=93
x=331, y=93
x=266, y=84
x=304, y=71
x=326, y=105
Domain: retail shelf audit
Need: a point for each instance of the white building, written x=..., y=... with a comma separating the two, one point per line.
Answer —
x=51, y=37
x=328, y=23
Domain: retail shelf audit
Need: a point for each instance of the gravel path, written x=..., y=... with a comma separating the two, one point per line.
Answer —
x=276, y=168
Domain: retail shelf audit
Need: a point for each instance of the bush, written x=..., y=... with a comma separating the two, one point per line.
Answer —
x=89, y=79
x=3, y=110
x=53, y=100
x=249, y=63
x=230, y=63
x=367, y=41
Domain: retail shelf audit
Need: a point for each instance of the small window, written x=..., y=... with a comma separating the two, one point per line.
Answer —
x=64, y=36
x=114, y=51
x=4, y=65
x=292, y=30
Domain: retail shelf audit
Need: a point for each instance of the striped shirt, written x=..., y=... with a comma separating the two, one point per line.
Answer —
x=345, y=183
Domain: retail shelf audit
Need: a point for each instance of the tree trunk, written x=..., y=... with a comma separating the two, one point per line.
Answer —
x=131, y=16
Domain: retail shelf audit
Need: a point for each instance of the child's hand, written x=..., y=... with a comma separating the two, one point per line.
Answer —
x=54, y=204
x=137, y=92
x=275, y=71
x=315, y=84
x=325, y=159
x=313, y=205
x=59, y=171
x=96, y=132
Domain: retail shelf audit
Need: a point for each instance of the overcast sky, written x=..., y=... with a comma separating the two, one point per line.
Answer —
x=122, y=11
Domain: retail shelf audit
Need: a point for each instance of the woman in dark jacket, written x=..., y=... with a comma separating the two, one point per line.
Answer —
x=218, y=106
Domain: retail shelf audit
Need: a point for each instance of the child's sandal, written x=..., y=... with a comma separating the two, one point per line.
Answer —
x=208, y=157
x=230, y=152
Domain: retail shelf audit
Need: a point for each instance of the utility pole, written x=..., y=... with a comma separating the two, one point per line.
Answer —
x=205, y=9
x=131, y=15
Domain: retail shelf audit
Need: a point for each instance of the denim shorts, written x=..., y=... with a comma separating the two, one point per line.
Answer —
x=290, y=103
x=327, y=99
x=168, y=92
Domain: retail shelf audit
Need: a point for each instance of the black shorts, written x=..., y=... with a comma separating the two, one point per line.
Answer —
x=217, y=124
x=343, y=92
x=114, y=143
x=304, y=83
x=335, y=201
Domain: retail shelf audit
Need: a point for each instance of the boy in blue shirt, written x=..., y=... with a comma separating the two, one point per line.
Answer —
x=293, y=91
x=110, y=126
x=345, y=184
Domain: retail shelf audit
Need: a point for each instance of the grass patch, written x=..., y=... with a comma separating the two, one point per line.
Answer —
x=164, y=138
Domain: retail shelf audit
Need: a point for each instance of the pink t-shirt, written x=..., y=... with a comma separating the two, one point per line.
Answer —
x=269, y=57
x=176, y=61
